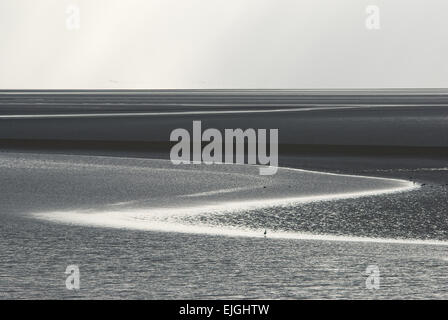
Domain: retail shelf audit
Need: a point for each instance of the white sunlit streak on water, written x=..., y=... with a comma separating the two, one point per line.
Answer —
x=310, y=107
x=171, y=219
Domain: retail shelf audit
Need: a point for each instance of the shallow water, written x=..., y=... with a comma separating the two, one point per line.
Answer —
x=129, y=263
x=134, y=264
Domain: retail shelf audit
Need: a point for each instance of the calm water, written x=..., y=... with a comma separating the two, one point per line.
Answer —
x=123, y=263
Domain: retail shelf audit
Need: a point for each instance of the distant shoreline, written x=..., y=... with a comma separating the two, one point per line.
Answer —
x=267, y=91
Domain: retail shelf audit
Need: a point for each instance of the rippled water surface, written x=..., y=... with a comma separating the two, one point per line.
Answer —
x=131, y=263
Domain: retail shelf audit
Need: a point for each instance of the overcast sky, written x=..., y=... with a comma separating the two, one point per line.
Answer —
x=222, y=44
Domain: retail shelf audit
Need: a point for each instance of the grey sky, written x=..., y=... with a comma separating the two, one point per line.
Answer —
x=223, y=44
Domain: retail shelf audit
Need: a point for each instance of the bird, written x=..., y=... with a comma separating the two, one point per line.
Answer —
x=265, y=232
